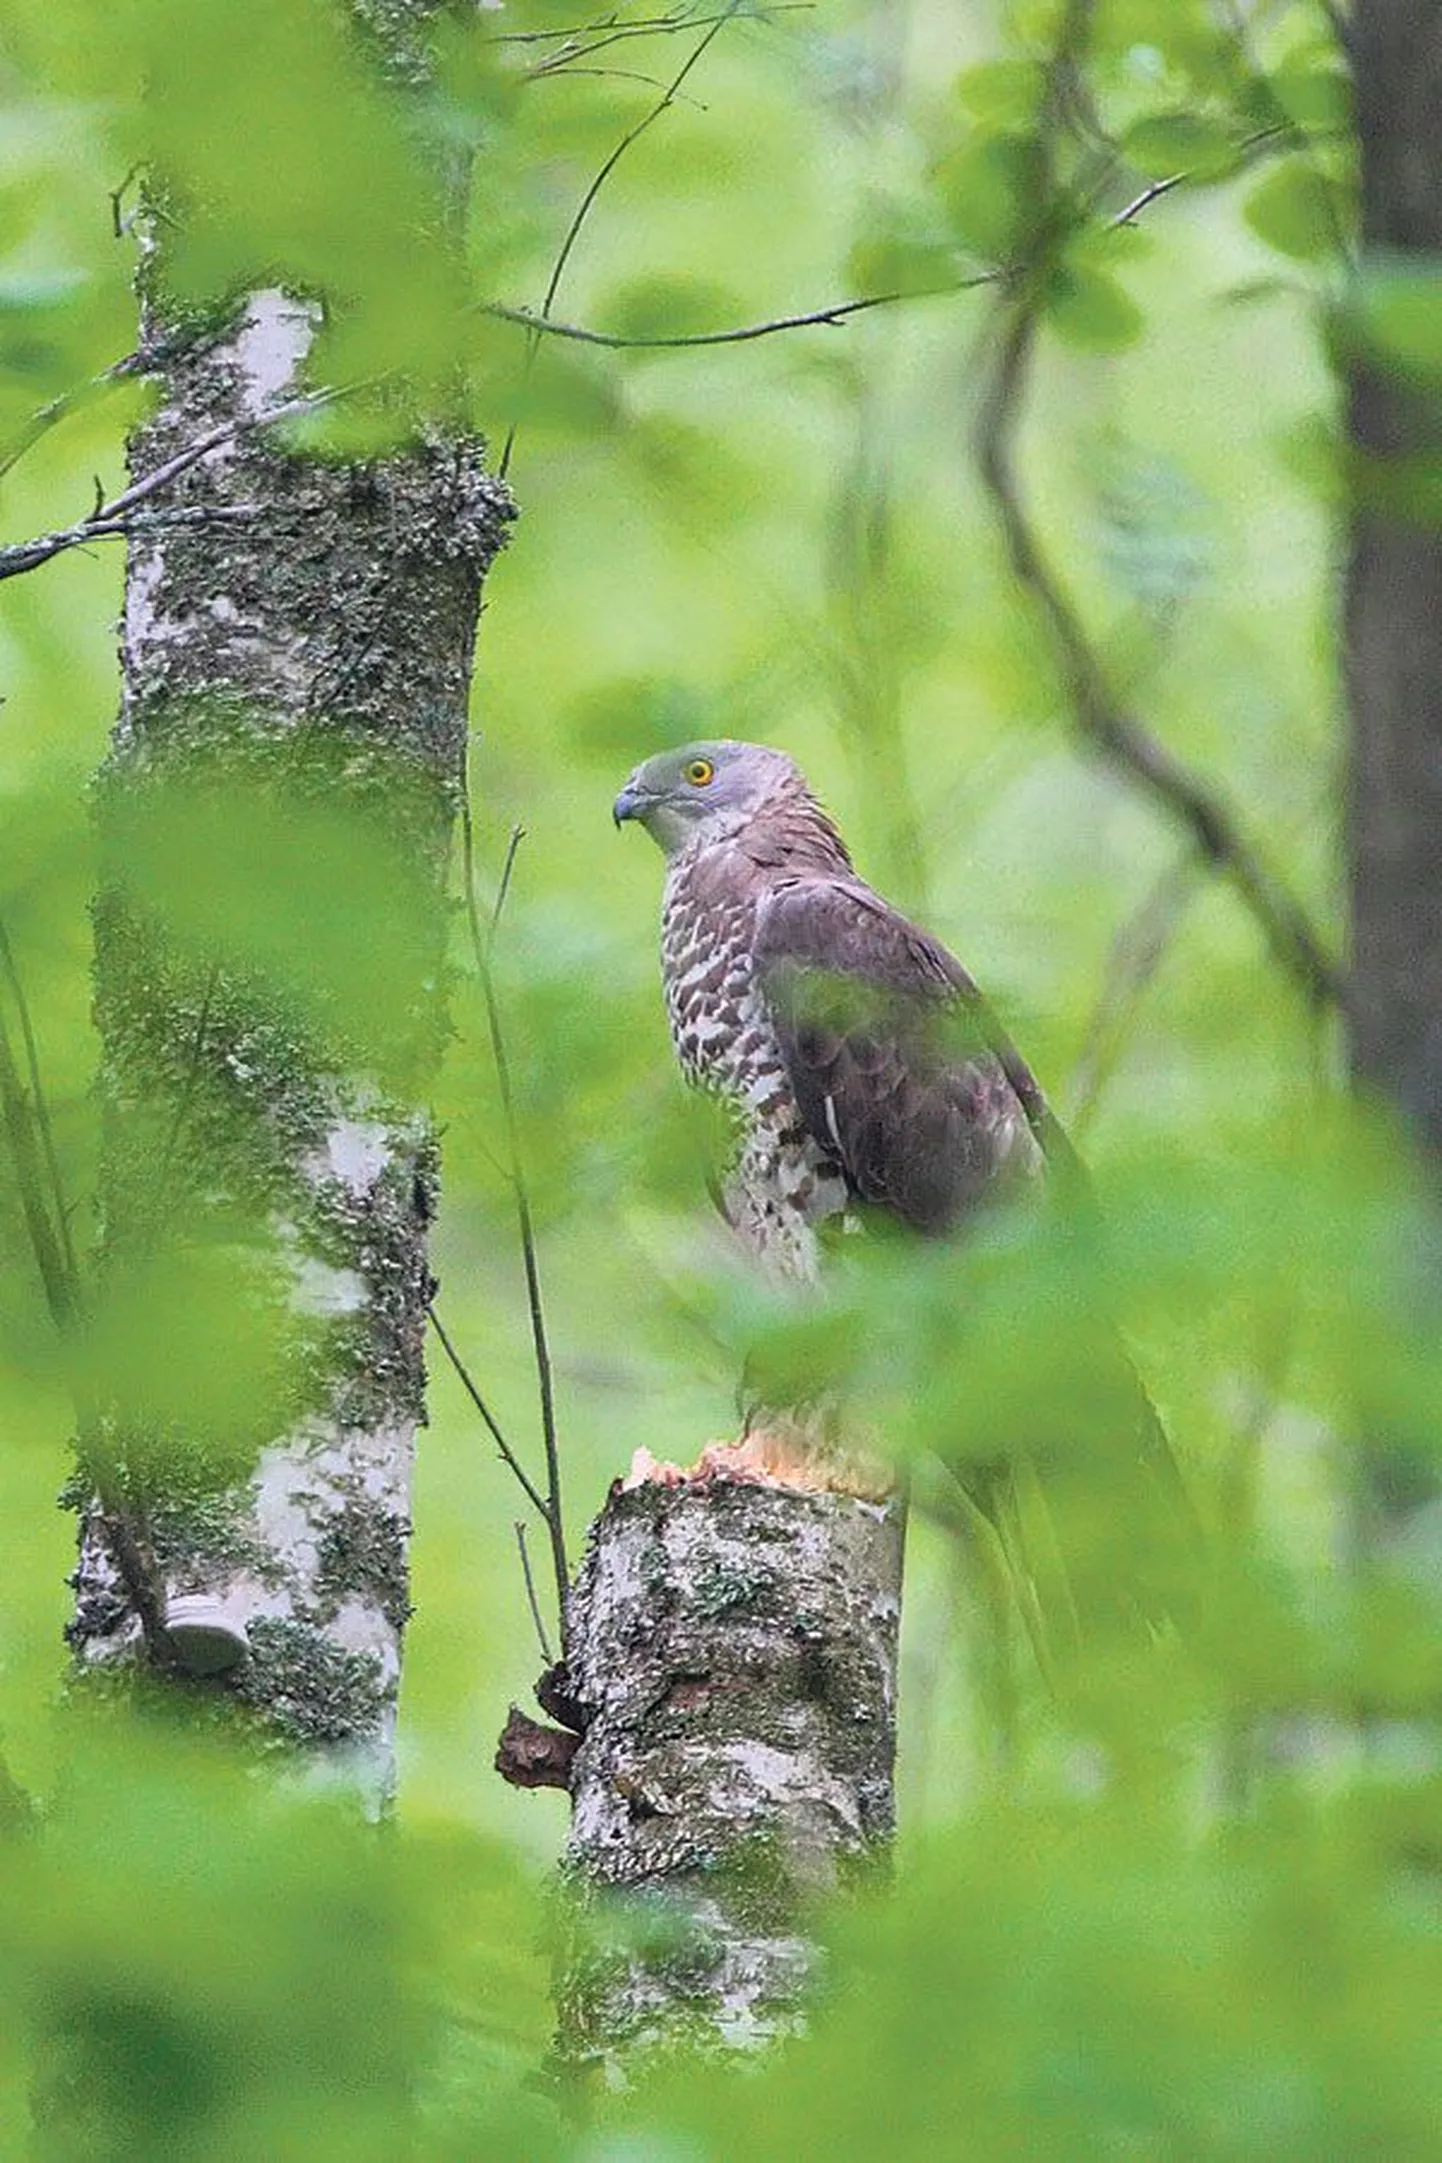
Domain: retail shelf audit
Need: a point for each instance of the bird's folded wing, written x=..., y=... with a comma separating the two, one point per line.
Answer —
x=890, y=1053
x=900, y=1070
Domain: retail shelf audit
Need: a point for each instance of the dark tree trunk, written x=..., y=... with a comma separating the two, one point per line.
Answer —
x=1394, y=591
x=1393, y=662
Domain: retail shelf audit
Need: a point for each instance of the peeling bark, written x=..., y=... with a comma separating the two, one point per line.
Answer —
x=732, y=1663
x=306, y=650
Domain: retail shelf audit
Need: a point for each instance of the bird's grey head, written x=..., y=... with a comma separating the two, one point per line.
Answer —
x=706, y=792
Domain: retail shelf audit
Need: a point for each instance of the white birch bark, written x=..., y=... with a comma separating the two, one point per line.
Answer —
x=319, y=623
x=731, y=1662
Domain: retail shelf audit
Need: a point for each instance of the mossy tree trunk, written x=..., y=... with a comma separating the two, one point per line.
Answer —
x=276, y=821
x=731, y=1676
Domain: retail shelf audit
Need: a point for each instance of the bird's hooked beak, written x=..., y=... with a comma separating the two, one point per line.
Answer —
x=632, y=803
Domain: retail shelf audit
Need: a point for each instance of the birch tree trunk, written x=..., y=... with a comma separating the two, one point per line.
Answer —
x=731, y=1676
x=296, y=660
x=1393, y=662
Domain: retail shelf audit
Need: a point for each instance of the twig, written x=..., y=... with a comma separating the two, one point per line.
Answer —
x=1136, y=955
x=481, y=946
x=566, y=64
x=1259, y=139
x=1118, y=735
x=32, y=1151
x=508, y=1456
x=546, y=1654
x=1152, y=193
x=113, y=519
x=67, y=402
x=645, y=26
x=503, y=886
x=117, y=197
x=244, y=423
x=598, y=182
x=1296, y=138
x=743, y=334
x=42, y=1113
x=47, y=1246
x=836, y=312
x=104, y=525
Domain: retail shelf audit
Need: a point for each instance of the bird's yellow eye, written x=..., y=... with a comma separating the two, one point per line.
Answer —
x=698, y=772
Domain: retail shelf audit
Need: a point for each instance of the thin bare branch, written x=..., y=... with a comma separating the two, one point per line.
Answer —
x=546, y=1653
x=508, y=1456
x=28, y=1158
x=112, y=520
x=834, y=313
x=244, y=424
x=552, y=1511
x=1119, y=736
x=1245, y=152
x=565, y=64
x=646, y=26
x=22, y=556
x=598, y=182
x=43, y=1128
x=117, y=200
x=503, y=886
x=1152, y=193
x=58, y=409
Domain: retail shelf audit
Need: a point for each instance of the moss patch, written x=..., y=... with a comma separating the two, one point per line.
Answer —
x=309, y=1690
x=363, y=1554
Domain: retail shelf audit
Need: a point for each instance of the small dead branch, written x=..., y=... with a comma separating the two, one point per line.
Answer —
x=531, y=1755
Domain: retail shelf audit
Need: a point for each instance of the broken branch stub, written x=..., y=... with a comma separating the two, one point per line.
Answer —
x=732, y=1666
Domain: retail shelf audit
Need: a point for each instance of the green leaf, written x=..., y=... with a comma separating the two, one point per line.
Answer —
x=900, y=263
x=1397, y=310
x=986, y=188
x=669, y=306
x=1293, y=211
x=1178, y=34
x=199, y=1352
x=1001, y=92
x=1178, y=142
x=1089, y=309
x=1312, y=96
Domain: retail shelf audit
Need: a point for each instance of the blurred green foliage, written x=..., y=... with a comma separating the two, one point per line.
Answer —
x=1189, y=1905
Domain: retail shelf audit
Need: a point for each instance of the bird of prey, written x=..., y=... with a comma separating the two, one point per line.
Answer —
x=856, y=1053
x=857, y=1056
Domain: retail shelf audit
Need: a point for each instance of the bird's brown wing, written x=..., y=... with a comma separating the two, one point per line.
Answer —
x=895, y=1064
x=901, y=1071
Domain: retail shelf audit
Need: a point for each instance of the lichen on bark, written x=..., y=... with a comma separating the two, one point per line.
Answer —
x=732, y=1662
x=275, y=818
